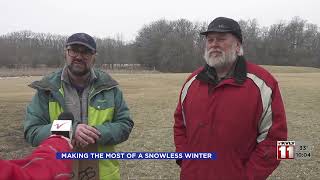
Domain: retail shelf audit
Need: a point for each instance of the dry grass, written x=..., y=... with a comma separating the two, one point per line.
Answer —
x=6, y=72
x=291, y=69
x=152, y=99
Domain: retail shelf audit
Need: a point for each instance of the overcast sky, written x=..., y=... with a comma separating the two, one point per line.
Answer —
x=107, y=18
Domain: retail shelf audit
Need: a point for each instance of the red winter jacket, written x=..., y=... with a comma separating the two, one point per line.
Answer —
x=239, y=118
x=41, y=164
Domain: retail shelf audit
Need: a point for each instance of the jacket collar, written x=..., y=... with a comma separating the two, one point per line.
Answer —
x=239, y=73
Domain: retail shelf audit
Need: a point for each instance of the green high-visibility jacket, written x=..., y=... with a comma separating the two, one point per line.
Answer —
x=107, y=111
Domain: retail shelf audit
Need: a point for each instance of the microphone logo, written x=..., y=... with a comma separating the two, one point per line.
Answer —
x=59, y=125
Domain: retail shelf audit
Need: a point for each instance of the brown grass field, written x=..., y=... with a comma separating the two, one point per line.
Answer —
x=152, y=99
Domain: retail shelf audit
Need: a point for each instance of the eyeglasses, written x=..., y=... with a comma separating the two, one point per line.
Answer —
x=85, y=54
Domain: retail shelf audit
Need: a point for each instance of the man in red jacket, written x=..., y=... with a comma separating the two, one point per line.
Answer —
x=231, y=107
x=41, y=164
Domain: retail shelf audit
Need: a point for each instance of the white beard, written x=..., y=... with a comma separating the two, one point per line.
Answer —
x=220, y=61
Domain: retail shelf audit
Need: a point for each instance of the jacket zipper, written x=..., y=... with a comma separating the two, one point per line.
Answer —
x=81, y=113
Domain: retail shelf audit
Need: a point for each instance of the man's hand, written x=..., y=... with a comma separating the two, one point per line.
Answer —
x=85, y=135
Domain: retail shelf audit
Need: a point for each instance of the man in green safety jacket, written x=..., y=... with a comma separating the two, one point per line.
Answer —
x=101, y=116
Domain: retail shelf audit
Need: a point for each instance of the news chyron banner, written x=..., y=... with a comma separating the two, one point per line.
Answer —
x=294, y=150
x=137, y=155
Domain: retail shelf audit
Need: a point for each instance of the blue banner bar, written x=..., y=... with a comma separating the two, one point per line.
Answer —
x=137, y=155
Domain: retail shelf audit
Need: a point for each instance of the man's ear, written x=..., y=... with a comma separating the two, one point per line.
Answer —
x=65, y=53
x=238, y=47
x=94, y=58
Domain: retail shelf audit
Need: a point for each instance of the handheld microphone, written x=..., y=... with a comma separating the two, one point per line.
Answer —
x=63, y=125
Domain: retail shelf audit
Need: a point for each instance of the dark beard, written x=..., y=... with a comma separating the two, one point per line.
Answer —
x=78, y=73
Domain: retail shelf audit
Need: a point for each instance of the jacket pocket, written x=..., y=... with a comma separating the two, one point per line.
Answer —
x=102, y=101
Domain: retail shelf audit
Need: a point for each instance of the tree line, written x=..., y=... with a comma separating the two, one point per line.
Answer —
x=172, y=46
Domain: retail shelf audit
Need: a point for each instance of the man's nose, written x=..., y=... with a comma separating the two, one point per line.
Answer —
x=213, y=43
x=79, y=55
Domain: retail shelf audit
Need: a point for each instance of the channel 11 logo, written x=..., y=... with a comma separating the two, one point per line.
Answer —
x=293, y=150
